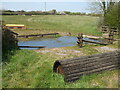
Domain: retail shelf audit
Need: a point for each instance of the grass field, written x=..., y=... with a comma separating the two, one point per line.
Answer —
x=33, y=69
x=55, y=23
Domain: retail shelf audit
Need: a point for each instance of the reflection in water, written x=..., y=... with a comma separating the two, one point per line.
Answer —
x=63, y=41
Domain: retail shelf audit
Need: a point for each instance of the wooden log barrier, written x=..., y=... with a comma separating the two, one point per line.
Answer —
x=74, y=68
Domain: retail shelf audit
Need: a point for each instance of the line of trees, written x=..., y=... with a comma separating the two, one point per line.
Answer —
x=22, y=12
x=79, y=13
x=52, y=12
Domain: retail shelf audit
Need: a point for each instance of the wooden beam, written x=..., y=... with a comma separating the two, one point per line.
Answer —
x=31, y=46
x=34, y=35
x=95, y=42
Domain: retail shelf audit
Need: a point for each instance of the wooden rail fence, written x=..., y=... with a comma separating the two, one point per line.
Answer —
x=74, y=68
x=107, y=29
x=81, y=40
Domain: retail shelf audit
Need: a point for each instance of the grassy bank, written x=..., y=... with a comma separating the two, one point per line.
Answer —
x=31, y=70
x=55, y=23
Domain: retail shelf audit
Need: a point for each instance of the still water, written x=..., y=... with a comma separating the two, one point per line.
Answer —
x=63, y=41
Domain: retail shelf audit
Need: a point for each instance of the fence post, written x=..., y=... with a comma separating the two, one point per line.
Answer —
x=104, y=29
x=111, y=37
x=80, y=41
x=115, y=30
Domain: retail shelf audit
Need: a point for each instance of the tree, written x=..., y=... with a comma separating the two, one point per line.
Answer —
x=54, y=11
x=105, y=5
x=112, y=17
x=109, y=11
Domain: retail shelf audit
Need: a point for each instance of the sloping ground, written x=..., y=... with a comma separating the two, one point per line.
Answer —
x=33, y=69
x=28, y=69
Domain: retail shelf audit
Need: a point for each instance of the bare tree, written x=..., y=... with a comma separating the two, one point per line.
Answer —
x=102, y=7
x=106, y=5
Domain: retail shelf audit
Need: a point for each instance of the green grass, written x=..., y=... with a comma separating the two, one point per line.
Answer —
x=56, y=23
x=28, y=69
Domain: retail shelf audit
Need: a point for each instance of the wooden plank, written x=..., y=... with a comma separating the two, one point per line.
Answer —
x=95, y=42
x=81, y=65
x=91, y=64
x=88, y=67
x=96, y=71
x=31, y=46
x=88, y=58
x=91, y=71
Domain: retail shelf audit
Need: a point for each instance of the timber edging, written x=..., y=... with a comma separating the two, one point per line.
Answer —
x=35, y=35
x=74, y=68
x=31, y=46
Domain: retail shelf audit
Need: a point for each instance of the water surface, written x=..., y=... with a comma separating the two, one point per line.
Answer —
x=63, y=41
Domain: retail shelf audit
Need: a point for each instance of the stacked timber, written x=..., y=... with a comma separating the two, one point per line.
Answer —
x=73, y=69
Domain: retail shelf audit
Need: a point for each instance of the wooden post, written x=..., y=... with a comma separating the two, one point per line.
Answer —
x=111, y=37
x=115, y=30
x=104, y=29
x=26, y=36
x=80, y=41
x=69, y=34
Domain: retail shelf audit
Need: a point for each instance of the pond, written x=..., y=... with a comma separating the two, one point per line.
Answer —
x=63, y=41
